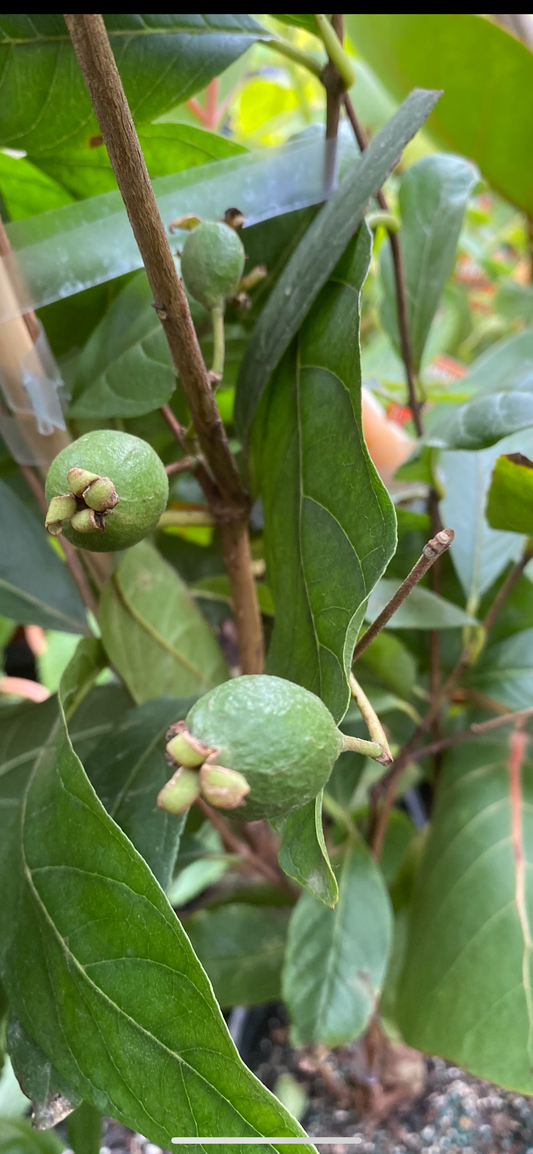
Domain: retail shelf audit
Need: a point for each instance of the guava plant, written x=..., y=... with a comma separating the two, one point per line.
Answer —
x=277, y=664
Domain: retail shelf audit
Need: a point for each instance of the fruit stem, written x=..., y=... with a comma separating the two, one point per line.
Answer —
x=217, y=367
x=371, y=720
x=359, y=745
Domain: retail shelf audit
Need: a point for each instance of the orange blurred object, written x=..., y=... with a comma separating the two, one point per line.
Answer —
x=388, y=443
x=23, y=687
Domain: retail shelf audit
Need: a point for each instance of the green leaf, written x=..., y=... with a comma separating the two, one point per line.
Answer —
x=390, y=659
x=315, y=476
x=484, y=72
x=167, y=148
x=154, y=633
x=163, y=60
x=210, y=864
x=510, y=499
x=26, y=190
x=421, y=610
x=125, y=369
x=505, y=671
x=479, y=553
x=51, y=1097
x=319, y=251
x=466, y=987
x=18, y=1137
x=514, y=301
x=303, y=855
x=100, y=969
x=128, y=769
x=241, y=949
x=307, y=22
x=35, y=585
x=432, y=199
x=337, y=959
x=84, y=1130
x=52, y=662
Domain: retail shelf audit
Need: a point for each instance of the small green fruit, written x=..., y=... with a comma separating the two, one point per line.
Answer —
x=281, y=738
x=129, y=486
x=212, y=263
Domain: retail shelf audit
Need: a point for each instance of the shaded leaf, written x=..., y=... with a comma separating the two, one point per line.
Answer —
x=127, y=769
x=163, y=60
x=510, y=499
x=303, y=855
x=484, y=420
x=126, y=368
x=51, y=1097
x=337, y=959
x=505, y=671
x=305, y=21
x=17, y=1136
x=484, y=72
x=35, y=585
x=432, y=199
x=86, y=170
x=318, y=253
x=101, y=969
x=479, y=553
x=390, y=659
x=462, y=995
x=84, y=1130
x=421, y=610
x=241, y=949
x=153, y=631
x=202, y=862
x=323, y=557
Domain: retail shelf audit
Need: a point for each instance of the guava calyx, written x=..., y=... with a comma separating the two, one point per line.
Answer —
x=198, y=773
x=91, y=498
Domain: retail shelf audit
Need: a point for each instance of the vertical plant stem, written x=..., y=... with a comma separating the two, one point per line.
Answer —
x=97, y=63
x=399, y=281
x=333, y=83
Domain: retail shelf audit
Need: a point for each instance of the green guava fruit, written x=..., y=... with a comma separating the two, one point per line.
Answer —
x=134, y=473
x=280, y=737
x=212, y=263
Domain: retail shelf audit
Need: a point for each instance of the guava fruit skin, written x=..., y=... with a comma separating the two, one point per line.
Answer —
x=138, y=475
x=212, y=263
x=281, y=737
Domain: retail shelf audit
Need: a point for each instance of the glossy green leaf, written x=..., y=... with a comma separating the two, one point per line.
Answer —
x=35, y=585
x=86, y=170
x=241, y=949
x=421, y=610
x=323, y=557
x=319, y=251
x=163, y=60
x=154, y=633
x=505, y=671
x=479, y=553
x=26, y=190
x=510, y=499
x=51, y=1097
x=125, y=369
x=303, y=855
x=432, y=199
x=128, y=769
x=466, y=987
x=484, y=72
x=17, y=1136
x=337, y=959
x=100, y=970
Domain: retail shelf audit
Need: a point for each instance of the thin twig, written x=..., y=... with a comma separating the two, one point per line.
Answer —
x=231, y=507
x=333, y=83
x=434, y=549
x=386, y=786
x=233, y=842
x=475, y=730
x=183, y=466
x=71, y=556
x=399, y=279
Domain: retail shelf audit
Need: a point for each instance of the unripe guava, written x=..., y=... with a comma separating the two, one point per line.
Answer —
x=280, y=737
x=212, y=263
x=136, y=474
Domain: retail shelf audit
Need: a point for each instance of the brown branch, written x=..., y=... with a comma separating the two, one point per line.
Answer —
x=399, y=279
x=507, y=588
x=71, y=556
x=183, y=466
x=236, y=844
x=434, y=549
x=97, y=63
x=475, y=730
